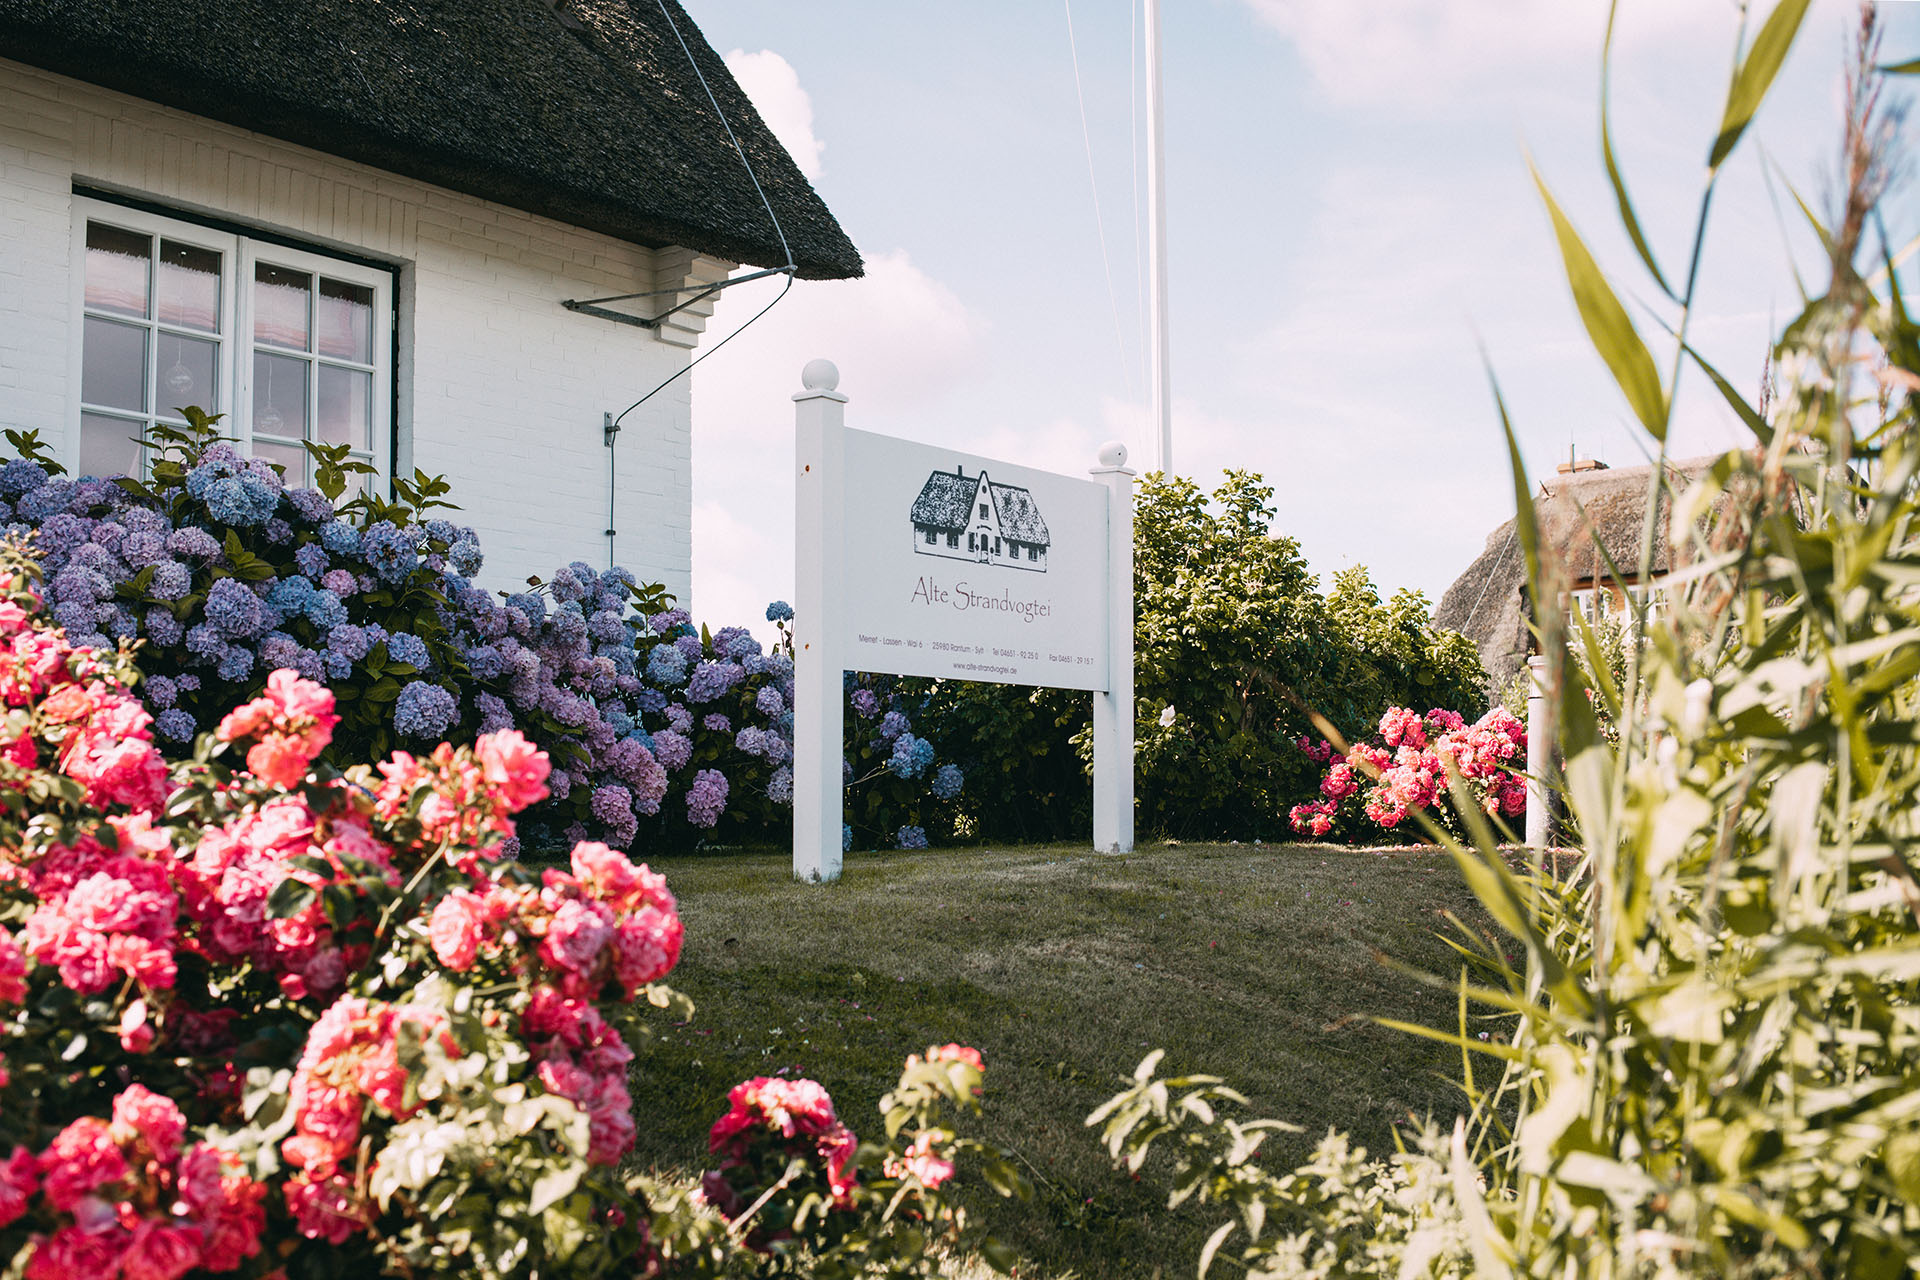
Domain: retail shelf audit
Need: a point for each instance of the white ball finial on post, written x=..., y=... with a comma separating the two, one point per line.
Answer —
x=1113, y=454
x=820, y=375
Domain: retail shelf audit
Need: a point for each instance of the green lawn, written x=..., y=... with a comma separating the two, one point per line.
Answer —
x=1064, y=969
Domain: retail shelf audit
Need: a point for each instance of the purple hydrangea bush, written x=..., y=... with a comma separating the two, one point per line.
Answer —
x=660, y=733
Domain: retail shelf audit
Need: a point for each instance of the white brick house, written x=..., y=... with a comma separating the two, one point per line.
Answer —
x=372, y=244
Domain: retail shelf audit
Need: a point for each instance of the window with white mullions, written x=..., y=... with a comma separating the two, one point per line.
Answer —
x=293, y=345
x=152, y=338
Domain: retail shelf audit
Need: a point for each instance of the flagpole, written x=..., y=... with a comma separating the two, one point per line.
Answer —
x=1161, y=392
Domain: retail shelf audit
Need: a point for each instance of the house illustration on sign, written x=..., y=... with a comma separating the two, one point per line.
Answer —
x=1000, y=522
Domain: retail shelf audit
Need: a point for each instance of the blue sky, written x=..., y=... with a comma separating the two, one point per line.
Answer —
x=1349, y=214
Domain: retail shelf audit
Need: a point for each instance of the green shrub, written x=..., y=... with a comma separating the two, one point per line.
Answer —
x=1233, y=645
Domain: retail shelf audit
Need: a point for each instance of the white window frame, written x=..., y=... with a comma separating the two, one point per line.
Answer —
x=239, y=256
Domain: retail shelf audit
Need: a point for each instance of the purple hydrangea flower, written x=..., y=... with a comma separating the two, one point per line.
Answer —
x=163, y=629
x=312, y=559
x=342, y=583
x=690, y=646
x=769, y=701
x=714, y=722
x=349, y=641
x=21, y=476
x=712, y=680
x=780, y=786
x=159, y=692
x=311, y=505
x=668, y=621
x=864, y=702
x=390, y=550
x=465, y=557
x=612, y=804
x=193, y=544
x=706, y=798
x=672, y=749
x=893, y=724
x=911, y=838
x=494, y=715
x=279, y=532
x=947, y=781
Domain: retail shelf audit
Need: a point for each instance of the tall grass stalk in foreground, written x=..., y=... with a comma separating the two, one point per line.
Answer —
x=1710, y=1062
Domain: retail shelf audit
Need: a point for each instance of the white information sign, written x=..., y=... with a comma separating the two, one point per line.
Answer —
x=918, y=560
x=971, y=569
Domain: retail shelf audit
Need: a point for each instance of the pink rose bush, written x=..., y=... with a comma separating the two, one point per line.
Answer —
x=266, y=1017
x=793, y=1176
x=1375, y=785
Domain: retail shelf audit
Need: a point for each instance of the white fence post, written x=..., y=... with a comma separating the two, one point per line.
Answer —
x=1539, y=750
x=818, y=610
x=1113, y=710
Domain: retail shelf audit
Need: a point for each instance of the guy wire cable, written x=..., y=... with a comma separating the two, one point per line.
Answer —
x=785, y=249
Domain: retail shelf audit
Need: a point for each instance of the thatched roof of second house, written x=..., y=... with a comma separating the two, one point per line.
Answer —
x=1579, y=512
x=586, y=111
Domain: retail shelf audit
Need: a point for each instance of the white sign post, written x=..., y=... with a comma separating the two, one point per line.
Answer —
x=922, y=561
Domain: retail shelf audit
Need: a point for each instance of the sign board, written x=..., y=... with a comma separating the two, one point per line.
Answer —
x=918, y=560
x=972, y=569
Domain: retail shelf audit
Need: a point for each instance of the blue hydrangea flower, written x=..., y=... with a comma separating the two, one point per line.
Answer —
x=45, y=502
x=911, y=838
x=325, y=611
x=404, y=646
x=233, y=609
x=569, y=625
x=754, y=664
x=531, y=607
x=20, y=477
x=769, y=701
x=779, y=611
x=947, y=781
x=290, y=594
x=279, y=532
x=651, y=701
x=423, y=710
x=910, y=757
x=175, y=725
x=230, y=502
x=440, y=530
x=465, y=557
x=340, y=538
x=235, y=663
x=846, y=837
x=780, y=786
x=390, y=550
x=667, y=666
x=608, y=627
x=893, y=724
x=218, y=462
x=336, y=666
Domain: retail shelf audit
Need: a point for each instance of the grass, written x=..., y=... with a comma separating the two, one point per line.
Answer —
x=1064, y=968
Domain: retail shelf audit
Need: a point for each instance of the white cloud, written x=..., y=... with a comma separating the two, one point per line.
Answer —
x=1440, y=52
x=773, y=86
x=904, y=343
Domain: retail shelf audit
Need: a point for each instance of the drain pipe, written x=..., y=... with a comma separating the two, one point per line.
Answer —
x=609, y=430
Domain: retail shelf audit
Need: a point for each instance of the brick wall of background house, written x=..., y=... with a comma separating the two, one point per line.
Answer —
x=500, y=389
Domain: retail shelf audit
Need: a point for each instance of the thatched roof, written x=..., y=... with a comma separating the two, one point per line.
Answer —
x=1579, y=512
x=1020, y=519
x=946, y=500
x=585, y=111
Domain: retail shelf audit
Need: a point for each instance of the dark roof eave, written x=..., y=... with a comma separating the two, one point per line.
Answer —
x=820, y=248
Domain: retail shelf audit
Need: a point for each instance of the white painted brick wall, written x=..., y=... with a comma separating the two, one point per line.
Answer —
x=500, y=388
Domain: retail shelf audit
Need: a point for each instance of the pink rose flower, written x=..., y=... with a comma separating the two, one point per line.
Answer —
x=456, y=929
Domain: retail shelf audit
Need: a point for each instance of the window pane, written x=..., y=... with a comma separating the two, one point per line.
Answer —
x=290, y=456
x=113, y=364
x=279, y=396
x=187, y=375
x=346, y=398
x=346, y=321
x=109, y=446
x=189, y=286
x=280, y=306
x=117, y=269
